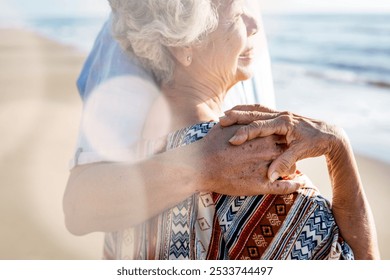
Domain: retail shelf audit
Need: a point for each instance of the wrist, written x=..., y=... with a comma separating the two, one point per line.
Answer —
x=199, y=174
x=338, y=144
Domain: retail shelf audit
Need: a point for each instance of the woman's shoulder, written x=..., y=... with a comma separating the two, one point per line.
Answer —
x=309, y=230
x=312, y=208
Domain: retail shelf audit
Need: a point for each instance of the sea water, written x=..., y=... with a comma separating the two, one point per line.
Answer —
x=334, y=67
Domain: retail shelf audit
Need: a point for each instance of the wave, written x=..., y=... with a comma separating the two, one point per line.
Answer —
x=379, y=84
x=286, y=71
x=348, y=77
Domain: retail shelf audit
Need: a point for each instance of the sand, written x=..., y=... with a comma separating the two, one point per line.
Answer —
x=39, y=116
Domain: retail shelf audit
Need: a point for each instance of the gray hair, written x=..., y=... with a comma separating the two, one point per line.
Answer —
x=148, y=27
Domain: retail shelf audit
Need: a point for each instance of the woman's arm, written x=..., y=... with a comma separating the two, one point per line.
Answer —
x=113, y=196
x=311, y=138
x=349, y=204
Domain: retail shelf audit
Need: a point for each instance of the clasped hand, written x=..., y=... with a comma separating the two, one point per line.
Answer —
x=264, y=149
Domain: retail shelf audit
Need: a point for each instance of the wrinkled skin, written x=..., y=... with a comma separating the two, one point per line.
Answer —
x=305, y=137
x=246, y=173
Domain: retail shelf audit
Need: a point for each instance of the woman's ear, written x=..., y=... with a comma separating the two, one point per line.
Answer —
x=182, y=54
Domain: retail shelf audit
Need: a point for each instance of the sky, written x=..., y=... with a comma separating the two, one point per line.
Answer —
x=25, y=8
x=325, y=5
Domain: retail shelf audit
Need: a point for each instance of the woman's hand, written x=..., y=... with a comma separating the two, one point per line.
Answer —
x=305, y=137
x=241, y=170
x=310, y=138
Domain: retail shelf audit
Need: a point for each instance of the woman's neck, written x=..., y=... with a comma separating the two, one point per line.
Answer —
x=191, y=98
x=177, y=108
x=191, y=101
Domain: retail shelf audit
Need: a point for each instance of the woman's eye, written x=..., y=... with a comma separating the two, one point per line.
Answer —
x=240, y=13
x=238, y=17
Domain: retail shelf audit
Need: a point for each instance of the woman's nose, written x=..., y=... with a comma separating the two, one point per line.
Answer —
x=251, y=24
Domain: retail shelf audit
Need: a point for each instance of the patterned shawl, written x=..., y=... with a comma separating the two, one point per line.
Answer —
x=214, y=226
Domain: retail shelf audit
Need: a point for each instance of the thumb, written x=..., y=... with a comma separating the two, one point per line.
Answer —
x=244, y=117
x=254, y=108
x=282, y=165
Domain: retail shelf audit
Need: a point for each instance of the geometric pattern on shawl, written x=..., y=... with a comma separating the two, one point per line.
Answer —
x=180, y=221
x=298, y=226
x=294, y=226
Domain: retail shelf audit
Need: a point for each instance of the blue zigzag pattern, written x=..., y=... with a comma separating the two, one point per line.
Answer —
x=197, y=132
x=180, y=232
x=317, y=228
x=180, y=245
x=225, y=220
x=180, y=238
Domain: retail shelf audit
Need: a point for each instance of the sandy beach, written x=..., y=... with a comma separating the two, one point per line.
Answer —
x=39, y=116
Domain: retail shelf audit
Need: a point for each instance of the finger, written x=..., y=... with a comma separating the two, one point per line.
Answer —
x=234, y=117
x=259, y=129
x=254, y=107
x=285, y=186
x=283, y=164
x=244, y=117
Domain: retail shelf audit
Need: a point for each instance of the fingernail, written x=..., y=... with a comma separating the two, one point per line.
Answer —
x=274, y=176
x=222, y=118
x=237, y=139
x=233, y=139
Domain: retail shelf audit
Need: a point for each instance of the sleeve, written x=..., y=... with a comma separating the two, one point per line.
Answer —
x=117, y=95
x=107, y=60
x=112, y=120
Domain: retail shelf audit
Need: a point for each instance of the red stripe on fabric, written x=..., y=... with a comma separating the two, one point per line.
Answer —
x=249, y=227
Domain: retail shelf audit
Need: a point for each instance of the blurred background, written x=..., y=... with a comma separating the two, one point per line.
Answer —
x=330, y=60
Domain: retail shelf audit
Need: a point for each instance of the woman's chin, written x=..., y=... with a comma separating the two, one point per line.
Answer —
x=244, y=73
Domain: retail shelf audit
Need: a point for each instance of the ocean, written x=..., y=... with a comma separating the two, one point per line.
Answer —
x=334, y=67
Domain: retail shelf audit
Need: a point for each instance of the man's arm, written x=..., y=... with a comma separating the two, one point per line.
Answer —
x=113, y=196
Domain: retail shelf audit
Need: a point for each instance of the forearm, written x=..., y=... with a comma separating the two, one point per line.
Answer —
x=350, y=206
x=113, y=196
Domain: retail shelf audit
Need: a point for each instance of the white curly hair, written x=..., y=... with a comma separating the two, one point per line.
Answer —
x=148, y=27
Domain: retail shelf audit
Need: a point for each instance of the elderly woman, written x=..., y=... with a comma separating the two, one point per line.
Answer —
x=197, y=50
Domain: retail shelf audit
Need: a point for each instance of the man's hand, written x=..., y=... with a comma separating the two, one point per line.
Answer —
x=305, y=137
x=241, y=170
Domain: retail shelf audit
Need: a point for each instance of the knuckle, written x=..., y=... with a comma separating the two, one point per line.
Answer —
x=287, y=118
x=254, y=129
x=287, y=113
x=251, y=114
x=242, y=130
x=284, y=164
x=255, y=125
